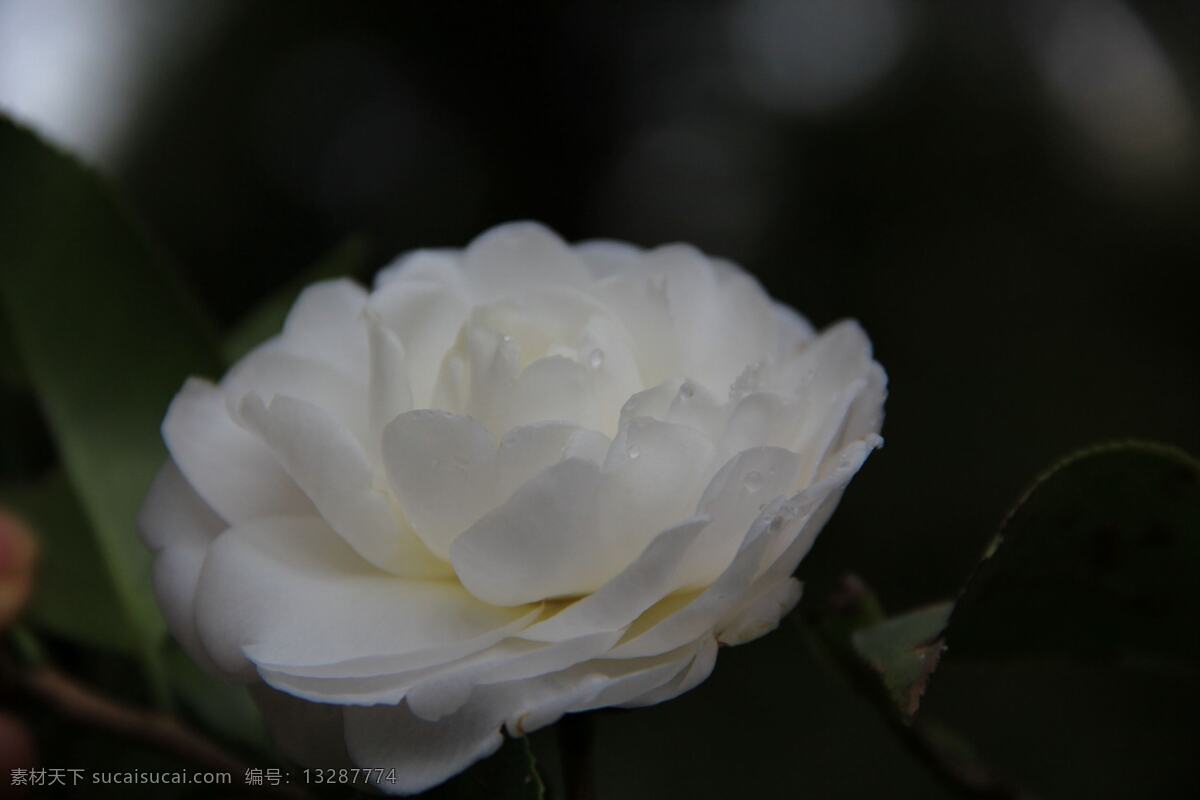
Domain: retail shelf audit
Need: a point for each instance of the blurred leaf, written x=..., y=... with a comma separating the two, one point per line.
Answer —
x=223, y=708
x=1099, y=559
x=904, y=650
x=348, y=259
x=11, y=373
x=888, y=662
x=510, y=774
x=26, y=447
x=71, y=598
x=107, y=338
x=1071, y=658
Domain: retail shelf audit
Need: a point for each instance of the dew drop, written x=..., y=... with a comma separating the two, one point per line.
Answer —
x=753, y=480
x=595, y=359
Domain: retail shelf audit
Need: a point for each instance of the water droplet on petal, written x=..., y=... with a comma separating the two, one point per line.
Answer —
x=506, y=339
x=595, y=359
x=753, y=480
x=688, y=390
x=633, y=452
x=748, y=382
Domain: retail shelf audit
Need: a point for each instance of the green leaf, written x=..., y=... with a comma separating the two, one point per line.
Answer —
x=905, y=650
x=11, y=373
x=1098, y=560
x=71, y=598
x=1071, y=660
x=107, y=338
x=223, y=708
x=348, y=259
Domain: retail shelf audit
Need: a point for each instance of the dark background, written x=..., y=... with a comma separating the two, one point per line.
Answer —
x=1005, y=194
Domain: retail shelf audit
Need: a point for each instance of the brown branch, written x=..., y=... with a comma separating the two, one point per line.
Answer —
x=160, y=731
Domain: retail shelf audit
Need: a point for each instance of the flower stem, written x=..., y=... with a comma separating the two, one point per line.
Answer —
x=161, y=731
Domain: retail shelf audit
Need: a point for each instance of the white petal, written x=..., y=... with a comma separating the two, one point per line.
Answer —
x=542, y=701
x=520, y=255
x=440, y=466
x=228, y=466
x=270, y=372
x=326, y=323
x=654, y=402
x=605, y=257
x=428, y=752
x=652, y=576
x=173, y=515
x=761, y=612
x=733, y=499
x=654, y=474
x=447, y=471
x=696, y=315
x=638, y=299
x=554, y=388
x=527, y=450
x=426, y=314
x=438, y=265
x=289, y=593
x=697, y=672
x=657, y=633
x=179, y=526
x=477, y=374
x=539, y=544
x=422, y=753
x=696, y=407
x=390, y=393
x=793, y=331
x=333, y=470
x=761, y=418
x=573, y=527
x=630, y=684
x=778, y=539
x=434, y=692
x=742, y=329
x=797, y=523
x=608, y=352
x=865, y=417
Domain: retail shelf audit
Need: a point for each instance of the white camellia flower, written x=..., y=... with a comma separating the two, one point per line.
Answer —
x=511, y=482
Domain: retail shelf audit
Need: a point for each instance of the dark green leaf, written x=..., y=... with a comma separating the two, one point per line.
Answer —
x=349, y=259
x=11, y=373
x=888, y=663
x=1099, y=559
x=107, y=338
x=71, y=597
x=1071, y=662
x=904, y=650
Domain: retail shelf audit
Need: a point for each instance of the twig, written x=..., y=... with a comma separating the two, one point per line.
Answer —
x=77, y=702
